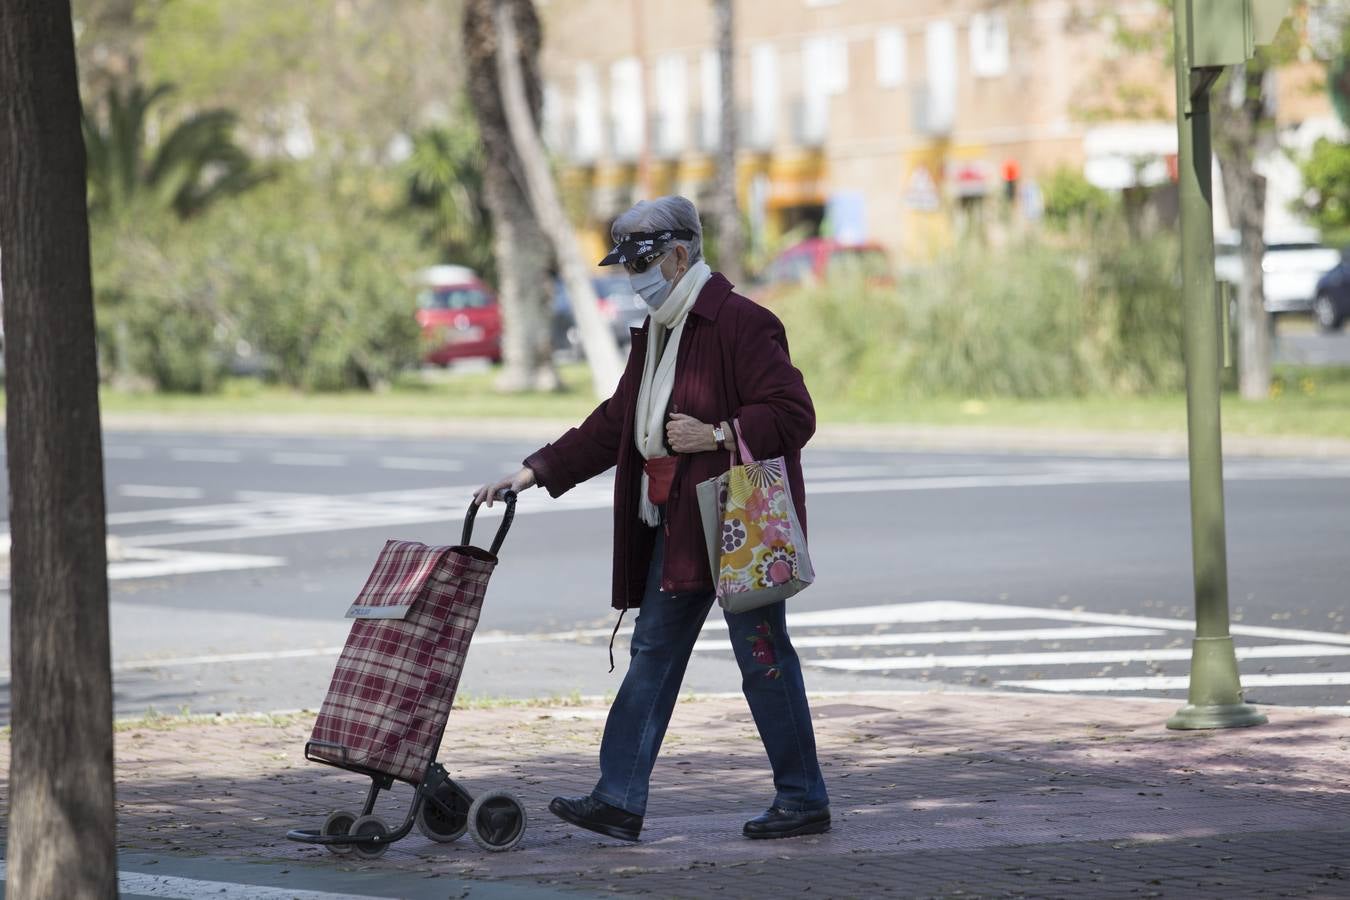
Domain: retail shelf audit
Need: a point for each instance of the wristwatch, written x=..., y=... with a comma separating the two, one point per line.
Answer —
x=719, y=435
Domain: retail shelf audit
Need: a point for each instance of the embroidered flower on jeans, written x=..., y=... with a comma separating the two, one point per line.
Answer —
x=761, y=646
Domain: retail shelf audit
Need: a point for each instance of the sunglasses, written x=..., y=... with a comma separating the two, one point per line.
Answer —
x=643, y=263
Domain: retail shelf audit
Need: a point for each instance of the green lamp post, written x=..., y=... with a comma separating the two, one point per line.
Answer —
x=1210, y=35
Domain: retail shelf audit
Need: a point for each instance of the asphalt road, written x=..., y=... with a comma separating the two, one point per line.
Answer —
x=1297, y=346
x=238, y=556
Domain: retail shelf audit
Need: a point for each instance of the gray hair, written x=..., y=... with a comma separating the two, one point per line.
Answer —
x=660, y=214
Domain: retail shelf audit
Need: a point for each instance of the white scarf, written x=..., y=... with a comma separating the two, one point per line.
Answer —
x=658, y=375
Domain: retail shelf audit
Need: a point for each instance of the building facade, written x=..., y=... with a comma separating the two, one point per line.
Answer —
x=891, y=121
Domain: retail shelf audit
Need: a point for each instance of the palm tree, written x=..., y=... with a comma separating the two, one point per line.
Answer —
x=196, y=163
x=445, y=177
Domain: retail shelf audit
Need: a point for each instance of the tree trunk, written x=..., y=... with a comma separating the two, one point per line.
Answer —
x=596, y=337
x=62, y=822
x=1241, y=125
x=525, y=288
x=730, y=235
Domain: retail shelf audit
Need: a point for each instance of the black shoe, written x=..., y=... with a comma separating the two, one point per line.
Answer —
x=782, y=823
x=593, y=815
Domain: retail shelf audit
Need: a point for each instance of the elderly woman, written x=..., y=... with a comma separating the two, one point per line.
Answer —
x=706, y=358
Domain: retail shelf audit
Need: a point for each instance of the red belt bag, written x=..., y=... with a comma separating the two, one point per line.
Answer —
x=660, y=476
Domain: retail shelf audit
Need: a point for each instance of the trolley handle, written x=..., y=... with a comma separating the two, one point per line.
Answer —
x=507, y=495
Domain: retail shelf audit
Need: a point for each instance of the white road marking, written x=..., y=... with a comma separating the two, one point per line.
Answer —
x=204, y=454
x=950, y=637
x=145, y=885
x=216, y=659
x=1066, y=658
x=421, y=464
x=961, y=611
x=116, y=452
x=160, y=492
x=315, y=513
x=322, y=513
x=141, y=562
x=288, y=458
x=268, y=496
x=1177, y=682
x=847, y=472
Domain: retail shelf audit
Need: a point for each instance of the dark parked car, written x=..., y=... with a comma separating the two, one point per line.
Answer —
x=622, y=308
x=1331, y=303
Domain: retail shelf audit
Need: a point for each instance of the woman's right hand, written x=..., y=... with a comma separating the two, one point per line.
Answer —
x=517, y=482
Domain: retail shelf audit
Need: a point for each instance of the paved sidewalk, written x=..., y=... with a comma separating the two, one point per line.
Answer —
x=934, y=795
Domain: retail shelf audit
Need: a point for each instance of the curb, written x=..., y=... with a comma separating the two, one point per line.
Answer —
x=956, y=438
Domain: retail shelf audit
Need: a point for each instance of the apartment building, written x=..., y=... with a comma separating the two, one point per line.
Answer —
x=882, y=120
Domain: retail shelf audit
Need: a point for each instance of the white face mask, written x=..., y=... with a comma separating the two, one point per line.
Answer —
x=651, y=285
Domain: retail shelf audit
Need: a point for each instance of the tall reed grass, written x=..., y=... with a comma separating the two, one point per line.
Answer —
x=1084, y=316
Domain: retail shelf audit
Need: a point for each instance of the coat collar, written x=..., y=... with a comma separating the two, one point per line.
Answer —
x=711, y=298
x=707, y=306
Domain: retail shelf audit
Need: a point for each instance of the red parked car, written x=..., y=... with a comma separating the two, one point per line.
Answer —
x=817, y=259
x=459, y=316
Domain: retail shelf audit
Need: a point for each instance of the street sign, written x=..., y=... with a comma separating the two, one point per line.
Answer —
x=1227, y=32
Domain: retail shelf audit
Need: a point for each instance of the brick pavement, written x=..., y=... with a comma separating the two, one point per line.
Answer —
x=933, y=794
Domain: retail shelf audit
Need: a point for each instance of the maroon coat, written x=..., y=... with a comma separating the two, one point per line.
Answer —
x=732, y=363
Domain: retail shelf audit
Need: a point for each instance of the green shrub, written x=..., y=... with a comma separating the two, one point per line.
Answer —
x=1071, y=200
x=1031, y=320
x=316, y=281
x=323, y=290
x=161, y=310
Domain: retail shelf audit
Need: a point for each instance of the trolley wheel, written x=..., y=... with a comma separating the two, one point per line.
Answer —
x=339, y=821
x=497, y=821
x=370, y=826
x=438, y=824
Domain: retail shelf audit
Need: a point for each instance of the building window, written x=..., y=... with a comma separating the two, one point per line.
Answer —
x=825, y=64
x=890, y=58
x=710, y=78
x=824, y=74
x=626, y=107
x=989, y=50
x=671, y=94
x=764, y=85
x=590, y=123
x=935, y=100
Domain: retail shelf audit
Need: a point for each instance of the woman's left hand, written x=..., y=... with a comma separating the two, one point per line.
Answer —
x=688, y=435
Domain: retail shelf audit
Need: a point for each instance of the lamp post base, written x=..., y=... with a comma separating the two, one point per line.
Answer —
x=1216, y=691
x=1230, y=715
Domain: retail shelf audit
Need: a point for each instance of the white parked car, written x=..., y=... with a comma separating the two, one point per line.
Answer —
x=1294, y=262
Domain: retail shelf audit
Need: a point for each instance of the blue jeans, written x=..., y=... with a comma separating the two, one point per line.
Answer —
x=771, y=679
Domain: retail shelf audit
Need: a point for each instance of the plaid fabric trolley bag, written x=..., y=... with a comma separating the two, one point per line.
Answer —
x=391, y=693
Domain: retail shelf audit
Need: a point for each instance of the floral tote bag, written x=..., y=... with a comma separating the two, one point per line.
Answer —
x=756, y=548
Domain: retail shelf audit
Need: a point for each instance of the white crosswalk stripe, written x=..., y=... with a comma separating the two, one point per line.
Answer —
x=1180, y=683
x=1066, y=658
x=1122, y=641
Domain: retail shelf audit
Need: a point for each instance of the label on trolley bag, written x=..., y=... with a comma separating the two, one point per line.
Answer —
x=377, y=612
x=398, y=580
